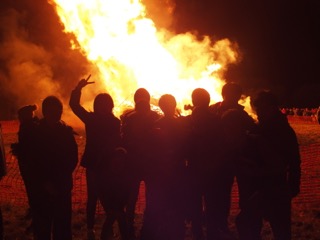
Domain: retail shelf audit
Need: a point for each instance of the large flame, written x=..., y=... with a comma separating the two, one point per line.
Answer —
x=130, y=52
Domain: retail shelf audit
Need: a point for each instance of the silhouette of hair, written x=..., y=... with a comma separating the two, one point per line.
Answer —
x=103, y=103
x=167, y=103
x=26, y=112
x=200, y=97
x=141, y=94
x=52, y=108
x=231, y=91
x=263, y=99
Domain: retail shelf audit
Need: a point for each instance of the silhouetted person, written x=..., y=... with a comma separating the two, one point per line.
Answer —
x=55, y=154
x=104, y=165
x=243, y=147
x=138, y=136
x=164, y=214
x=91, y=150
x=23, y=151
x=206, y=172
x=231, y=94
x=268, y=196
x=2, y=174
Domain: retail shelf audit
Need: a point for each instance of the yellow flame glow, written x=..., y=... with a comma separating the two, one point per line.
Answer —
x=130, y=52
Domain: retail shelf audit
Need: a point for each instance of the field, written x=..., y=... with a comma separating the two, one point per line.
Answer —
x=305, y=210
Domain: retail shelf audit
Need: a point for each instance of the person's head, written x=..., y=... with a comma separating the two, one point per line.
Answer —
x=231, y=92
x=52, y=109
x=167, y=104
x=26, y=113
x=265, y=104
x=141, y=94
x=103, y=103
x=142, y=100
x=200, y=97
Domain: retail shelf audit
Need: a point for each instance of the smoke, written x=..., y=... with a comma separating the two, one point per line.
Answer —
x=28, y=74
x=161, y=12
x=35, y=57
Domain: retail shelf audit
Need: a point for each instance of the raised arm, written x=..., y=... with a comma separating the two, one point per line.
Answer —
x=74, y=102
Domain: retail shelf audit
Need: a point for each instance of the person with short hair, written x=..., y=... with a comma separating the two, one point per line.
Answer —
x=270, y=175
x=231, y=93
x=164, y=214
x=206, y=170
x=22, y=149
x=54, y=153
x=103, y=160
x=137, y=130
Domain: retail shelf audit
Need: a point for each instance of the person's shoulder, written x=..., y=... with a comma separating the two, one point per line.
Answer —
x=164, y=120
x=185, y=121
x=214, y=107
x=154, y=115
x=185, y=118
x=66, y=127
x=115, y=119
x=128, y=113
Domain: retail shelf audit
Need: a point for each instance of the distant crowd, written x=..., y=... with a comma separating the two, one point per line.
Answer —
x=313, y=113
x=188, y=163
x=309, y=112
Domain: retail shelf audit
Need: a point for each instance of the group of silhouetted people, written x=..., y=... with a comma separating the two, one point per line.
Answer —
x=188, y=164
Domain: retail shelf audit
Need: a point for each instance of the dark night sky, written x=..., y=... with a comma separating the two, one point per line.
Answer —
x=279, y=43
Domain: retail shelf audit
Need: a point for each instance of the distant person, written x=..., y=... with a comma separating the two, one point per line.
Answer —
x=103, y=162
x=266, y=193
x=164, y=214
x=55, y=156
x=139, y=140
x=231, y=93
x=2, y=174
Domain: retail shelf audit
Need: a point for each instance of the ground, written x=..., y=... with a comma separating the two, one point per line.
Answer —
x=305, y=209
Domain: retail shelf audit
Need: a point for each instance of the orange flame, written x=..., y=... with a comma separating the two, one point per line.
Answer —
x=130, y=52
